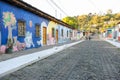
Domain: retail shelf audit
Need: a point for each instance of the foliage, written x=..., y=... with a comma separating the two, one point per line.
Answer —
x=117, y=16
x=71, y=21
x=93, y=22
x=9, y=19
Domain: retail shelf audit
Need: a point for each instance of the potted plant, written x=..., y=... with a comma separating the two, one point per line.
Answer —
x=9, y=46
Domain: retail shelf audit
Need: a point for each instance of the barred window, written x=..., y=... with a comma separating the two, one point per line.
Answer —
x=62, y=32
x=37, y=30
x=21, y=28
x=70, y=33
x=53, y=32
x=67, y=33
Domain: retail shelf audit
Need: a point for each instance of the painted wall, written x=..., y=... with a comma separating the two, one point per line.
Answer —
x=110, y=33
x=74, y=35
x=119, y=32
x=63, y=38
x=9, y=16
x=0, y=24
x=51, y=40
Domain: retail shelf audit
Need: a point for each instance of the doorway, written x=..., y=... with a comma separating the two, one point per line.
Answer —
x=56, y=36
x=44, y=36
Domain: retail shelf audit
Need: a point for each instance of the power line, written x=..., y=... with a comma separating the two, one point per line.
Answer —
x=95, y=6
x=58, y=1
x=53, y=8
x=50, y=4
x=59, y=7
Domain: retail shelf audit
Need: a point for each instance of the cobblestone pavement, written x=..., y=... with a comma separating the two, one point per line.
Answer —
x=89, y=60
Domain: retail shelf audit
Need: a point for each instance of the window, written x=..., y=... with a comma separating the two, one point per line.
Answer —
x=70, y=33
x=62, y=32
x=53, y=32
x=37, y=30
x=21, y=28
x=67, y=33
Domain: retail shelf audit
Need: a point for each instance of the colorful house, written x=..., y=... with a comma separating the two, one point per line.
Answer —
x=116, y=32
x=24, y=26
x=109, y=33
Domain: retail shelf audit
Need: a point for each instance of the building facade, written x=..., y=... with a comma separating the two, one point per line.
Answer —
x=23, y=27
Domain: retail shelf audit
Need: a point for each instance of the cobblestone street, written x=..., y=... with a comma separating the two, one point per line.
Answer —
x=89, y=60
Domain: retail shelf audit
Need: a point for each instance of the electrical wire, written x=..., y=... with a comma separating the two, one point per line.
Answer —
x=93, y=4
x=59, y=7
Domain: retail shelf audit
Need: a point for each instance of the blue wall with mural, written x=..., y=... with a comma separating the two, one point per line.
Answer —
x=10, y=16
x=15, y=13
x=0, y=24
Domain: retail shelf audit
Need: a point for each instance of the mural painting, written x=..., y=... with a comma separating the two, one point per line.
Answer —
x=12, y=43
x=30, y=24
x=10, y=22
x=50, y=31
x=28, y=40
x=2, y=49
x=18, y=46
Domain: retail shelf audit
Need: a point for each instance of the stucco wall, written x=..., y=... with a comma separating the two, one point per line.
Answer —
x=9, y=16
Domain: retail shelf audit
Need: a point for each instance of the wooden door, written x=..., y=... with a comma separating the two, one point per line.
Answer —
x=44, y=36
x=56, y=36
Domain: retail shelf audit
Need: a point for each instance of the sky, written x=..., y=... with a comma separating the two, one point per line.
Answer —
x=75, y=7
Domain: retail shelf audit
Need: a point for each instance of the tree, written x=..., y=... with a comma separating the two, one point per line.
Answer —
x=94, y=22
x=71, y=21
x=117, y=16
x=82, y=21
x=10, y=22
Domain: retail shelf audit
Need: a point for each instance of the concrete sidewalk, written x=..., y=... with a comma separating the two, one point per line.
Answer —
x=115, y=43
x=4, y=57
x=11, y=65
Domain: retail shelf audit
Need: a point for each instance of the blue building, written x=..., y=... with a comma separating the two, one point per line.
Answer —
x=23, y=26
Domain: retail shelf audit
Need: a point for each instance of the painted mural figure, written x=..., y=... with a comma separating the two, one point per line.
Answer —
x=28, y=40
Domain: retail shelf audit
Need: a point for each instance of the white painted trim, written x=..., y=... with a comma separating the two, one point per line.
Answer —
x=43, y=24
